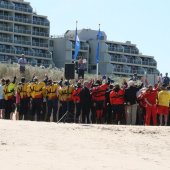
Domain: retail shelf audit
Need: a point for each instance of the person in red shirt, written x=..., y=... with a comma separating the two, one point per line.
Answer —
x=117, y=102
x=98, y=96
x=76, y=100
x=150, y=99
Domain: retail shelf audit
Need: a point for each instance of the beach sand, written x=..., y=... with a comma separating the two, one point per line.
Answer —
x=26, y=145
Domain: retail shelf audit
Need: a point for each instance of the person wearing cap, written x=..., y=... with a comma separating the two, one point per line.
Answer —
x=163, y=105
x=2, y=103
x=150, y=97
x=22, y=63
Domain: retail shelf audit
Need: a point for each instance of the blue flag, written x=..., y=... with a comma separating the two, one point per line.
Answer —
x=77, y=46
x=99, y=36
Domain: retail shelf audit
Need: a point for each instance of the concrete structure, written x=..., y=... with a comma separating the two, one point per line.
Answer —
x=115, y=57
x=22, y=31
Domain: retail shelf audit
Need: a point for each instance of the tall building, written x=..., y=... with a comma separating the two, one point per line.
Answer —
x=114, y=57
x=23, y=31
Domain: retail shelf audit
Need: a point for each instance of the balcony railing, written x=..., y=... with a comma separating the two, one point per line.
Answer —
x=9, y=29
x=127, y=71
x=25, y=20
x=4, y=50
x=6, y=40
x=6, y=17
x=44, y=23
x=131, y=51
x=122, y=60
x=22, y=31
x=6, y=6
x=29, y=10
x=44, y=34
x=40, y=44
x=23, y=42
x=42, y=55
x=148, y=63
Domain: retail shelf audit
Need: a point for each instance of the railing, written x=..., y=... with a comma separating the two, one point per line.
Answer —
x=6, y=17
x=42, y=55
x=126, y=61
x=126, y=71
x=29, y=10
x=7, y=6
x=116, y=49
x=22, y=42
x=22, y=31
x=148, y=63
x=45, y=23
x=6, y=40
x=3, y=50
x=10, y=29
x=40, y=44
x=25, y=20
x=40, y=33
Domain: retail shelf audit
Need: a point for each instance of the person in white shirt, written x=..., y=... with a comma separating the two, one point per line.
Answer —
x=22, y=62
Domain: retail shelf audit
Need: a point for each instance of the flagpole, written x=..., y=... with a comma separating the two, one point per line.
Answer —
x=97, y=65
x=75, y=39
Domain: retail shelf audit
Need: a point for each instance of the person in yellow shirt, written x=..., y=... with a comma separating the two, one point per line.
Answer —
x=24, y=99
x=9, y=95
x=36, y=92
x=52, y=100
x=163, y=104
x=66, y=100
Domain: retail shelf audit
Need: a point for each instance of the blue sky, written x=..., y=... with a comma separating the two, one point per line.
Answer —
x=143, y=22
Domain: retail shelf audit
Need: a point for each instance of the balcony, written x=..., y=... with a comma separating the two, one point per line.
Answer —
x=44, y=23
x=6, y=17
x=22, y=42
x=130, y=61
x=6, y=6
x=24, y=9
x=9, y=29
x=4, y=50
x=24, y=20
x=22, y=31
x=40, y=44
x=126, y=71
x=122, y=50
x=30, y=53
x=148, y=63
x=44, y=34
x=42, y=55
x=8, y=40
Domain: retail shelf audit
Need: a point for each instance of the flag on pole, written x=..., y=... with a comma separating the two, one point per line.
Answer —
x=99, y=36
x=77, y=45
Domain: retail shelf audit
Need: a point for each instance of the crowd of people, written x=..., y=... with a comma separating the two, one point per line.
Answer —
x=100, y=101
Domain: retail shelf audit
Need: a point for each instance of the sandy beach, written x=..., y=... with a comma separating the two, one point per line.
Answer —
x=26, y=145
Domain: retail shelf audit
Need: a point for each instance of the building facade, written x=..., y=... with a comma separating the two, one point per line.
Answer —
x=114, y=57
x=22, y=31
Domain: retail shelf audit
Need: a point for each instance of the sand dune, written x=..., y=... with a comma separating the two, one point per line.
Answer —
x=51, y=146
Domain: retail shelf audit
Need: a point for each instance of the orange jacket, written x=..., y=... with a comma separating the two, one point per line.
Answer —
x=117, y=97
x=99, y=92
x=76, y=95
